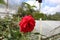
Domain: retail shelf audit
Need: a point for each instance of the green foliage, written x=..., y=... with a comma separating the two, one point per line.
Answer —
x=2, y=2
x=54, y=16
x=38, y=15
x=9, y=29
x=27, y=9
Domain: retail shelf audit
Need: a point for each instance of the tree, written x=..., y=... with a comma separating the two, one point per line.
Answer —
x=55, y=16
x=37, y=15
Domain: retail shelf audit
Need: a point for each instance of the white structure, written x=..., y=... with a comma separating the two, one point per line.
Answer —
x=46, y=26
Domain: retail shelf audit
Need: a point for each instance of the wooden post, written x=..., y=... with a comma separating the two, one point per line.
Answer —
x=40, y=36
x=40, y=25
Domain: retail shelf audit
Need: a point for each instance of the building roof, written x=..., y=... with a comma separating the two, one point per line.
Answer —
x=55, y=31
x=45, y=27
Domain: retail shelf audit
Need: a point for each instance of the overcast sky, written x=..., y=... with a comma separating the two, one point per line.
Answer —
x=47, y=6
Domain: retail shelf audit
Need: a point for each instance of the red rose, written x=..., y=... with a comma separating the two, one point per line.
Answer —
x=27, y=24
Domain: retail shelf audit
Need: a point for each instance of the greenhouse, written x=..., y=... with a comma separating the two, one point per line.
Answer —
x=48, y=29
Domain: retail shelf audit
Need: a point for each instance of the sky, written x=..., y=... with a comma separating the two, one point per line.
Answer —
x=47, y=6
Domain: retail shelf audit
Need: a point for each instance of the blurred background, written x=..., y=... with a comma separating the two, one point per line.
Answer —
x=11, y=12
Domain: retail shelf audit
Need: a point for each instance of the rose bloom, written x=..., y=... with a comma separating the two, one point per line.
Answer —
x=27, y=24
